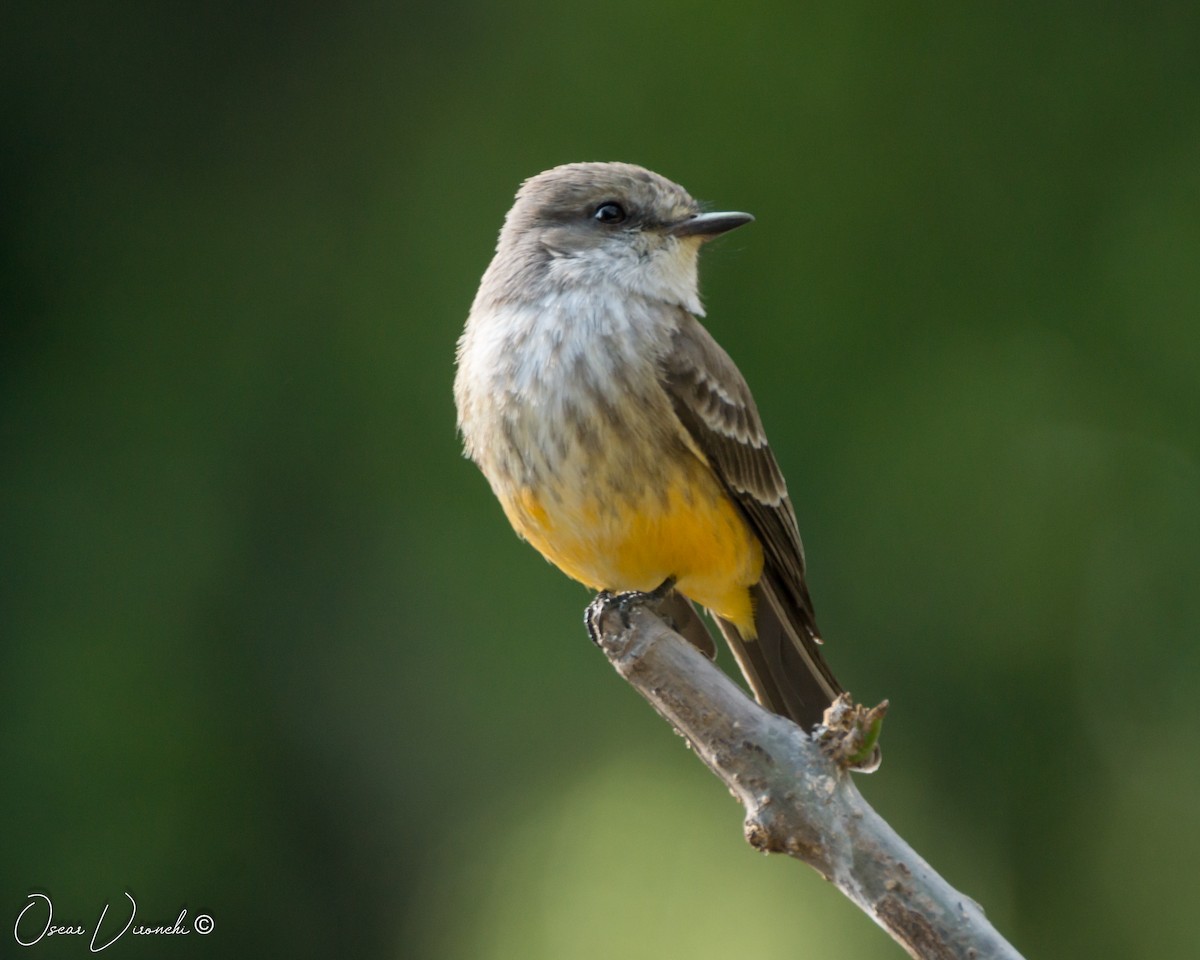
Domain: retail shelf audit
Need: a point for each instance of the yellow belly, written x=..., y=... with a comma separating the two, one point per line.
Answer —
x=688, y=529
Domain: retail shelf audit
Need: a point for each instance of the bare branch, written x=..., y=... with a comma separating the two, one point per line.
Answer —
x=796, y=798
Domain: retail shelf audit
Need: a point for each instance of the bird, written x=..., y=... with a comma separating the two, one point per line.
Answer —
x=620, y=438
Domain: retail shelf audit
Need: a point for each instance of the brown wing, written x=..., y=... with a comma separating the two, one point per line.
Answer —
x=714, y=403
x=783, y=663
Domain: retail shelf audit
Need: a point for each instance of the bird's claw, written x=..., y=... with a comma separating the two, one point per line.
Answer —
x=622, y=604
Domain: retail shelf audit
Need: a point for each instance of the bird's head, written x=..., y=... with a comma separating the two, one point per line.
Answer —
x=587, y=225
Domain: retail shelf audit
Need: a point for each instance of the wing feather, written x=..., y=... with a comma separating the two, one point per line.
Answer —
x=713, y=402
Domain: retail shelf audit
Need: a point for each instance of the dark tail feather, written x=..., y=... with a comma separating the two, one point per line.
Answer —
x=783, y=664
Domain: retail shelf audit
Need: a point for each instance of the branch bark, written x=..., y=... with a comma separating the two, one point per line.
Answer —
x=797, y=800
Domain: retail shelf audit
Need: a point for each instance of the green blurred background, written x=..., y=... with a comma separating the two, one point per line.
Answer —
x=268, y=649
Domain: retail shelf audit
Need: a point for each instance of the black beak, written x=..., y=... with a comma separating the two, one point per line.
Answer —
x=708, y=224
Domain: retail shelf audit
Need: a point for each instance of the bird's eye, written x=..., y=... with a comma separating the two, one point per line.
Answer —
x=610, y=213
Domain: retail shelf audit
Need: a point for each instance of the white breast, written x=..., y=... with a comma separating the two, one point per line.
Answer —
x=538, y=383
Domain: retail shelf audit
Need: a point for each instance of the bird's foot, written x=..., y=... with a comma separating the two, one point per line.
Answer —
x=849, y=734
x=622, y=604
